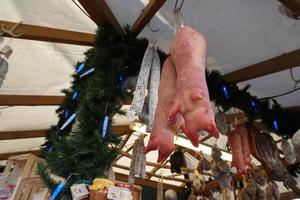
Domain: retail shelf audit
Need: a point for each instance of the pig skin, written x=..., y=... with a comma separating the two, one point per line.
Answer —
x=241, y=129
x=235, y=143
x=162, y=134
x=188, y=52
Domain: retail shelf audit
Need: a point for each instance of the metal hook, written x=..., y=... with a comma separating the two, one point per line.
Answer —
x=178, y=7
x=177, y=14
x=11, y=31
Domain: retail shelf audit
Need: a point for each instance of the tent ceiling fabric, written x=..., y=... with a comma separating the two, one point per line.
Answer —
x=239, y=33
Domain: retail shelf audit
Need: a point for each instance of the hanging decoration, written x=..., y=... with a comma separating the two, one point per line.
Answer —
x=142, y=82
x=5, y=53
x=153, y=91
x=251, y=191
x=288, y=151
x=272, y=191
x=177, y=161
x=296, y=145
x=265, y=150
x=221, y=122
x=204, y=164
x=138, y=161
x=220, y=169
x=198, y=182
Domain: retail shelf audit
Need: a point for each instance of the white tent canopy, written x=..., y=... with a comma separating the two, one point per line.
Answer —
x=239, y=33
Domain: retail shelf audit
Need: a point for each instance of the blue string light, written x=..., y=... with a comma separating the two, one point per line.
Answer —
x=104, y=127
x=254, y=105
x=66, y=113
x=275, y=125
x=70, y=119
x=49, y=147
x=74, y=96
x=87, y=72
x=59, y=137
x=121, y=84
x=57, y=190
x=225, y=91
x=80, y=68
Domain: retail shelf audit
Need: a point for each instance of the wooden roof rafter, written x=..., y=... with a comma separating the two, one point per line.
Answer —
x=47, y=34
x=30, y=100
x=11, y=135
x=101, y=14
x=149, y=11
x=275, y=64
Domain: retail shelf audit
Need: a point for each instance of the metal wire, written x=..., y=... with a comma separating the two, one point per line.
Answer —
x=280, y=95
x=81, y=9
x=297, y=81
x=294, y=79
x=176, y=4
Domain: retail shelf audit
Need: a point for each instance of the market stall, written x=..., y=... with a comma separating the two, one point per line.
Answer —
x=192, y=99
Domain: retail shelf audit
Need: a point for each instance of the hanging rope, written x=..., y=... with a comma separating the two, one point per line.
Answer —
x=294, y=79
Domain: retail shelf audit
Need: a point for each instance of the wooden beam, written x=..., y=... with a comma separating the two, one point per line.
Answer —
x=293, y=108
x=149, y=11
x=172, y=177
x=293, y=5
x=5, y=156
x=33, y=32
x=124, y=153
x=148, y=183
x=276, y=64
x=101, y=14
x=155, y=169
x=29, y=100
x=11, y=135
x=287, y=195
x=122, y=129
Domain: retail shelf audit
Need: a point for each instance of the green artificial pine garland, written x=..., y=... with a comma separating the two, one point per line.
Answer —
x=83, y=151
x=100, y=94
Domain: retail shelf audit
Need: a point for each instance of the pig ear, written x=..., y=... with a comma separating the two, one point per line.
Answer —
x=173, y=111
